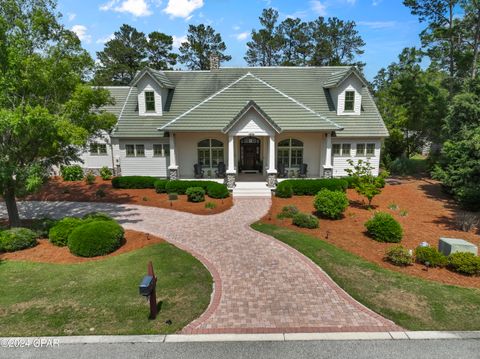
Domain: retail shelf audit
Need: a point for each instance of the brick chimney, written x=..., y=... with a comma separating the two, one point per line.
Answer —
x=214, y=61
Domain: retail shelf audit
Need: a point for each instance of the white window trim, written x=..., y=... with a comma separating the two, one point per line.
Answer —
x=98, y=153
x=164, y=153
x=210, y=149
x=345, y=101
x=341, y=154
x=290, y=148
x=135, y=152
x=365, y=152
x=145, y=99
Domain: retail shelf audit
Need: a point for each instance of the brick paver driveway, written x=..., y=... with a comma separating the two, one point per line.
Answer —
x=261, y=284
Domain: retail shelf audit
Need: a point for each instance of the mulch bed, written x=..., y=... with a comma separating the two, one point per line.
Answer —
x=78, y=191
x=45, y=252
x=430, y=215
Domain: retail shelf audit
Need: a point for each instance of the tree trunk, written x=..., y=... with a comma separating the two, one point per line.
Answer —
x=475, y=45
x=451, y=60
x=12, y=209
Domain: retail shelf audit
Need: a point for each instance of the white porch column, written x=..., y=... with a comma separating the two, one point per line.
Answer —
x=327, y=167
x=231, y=172
x=173, y=168
x=272, y=171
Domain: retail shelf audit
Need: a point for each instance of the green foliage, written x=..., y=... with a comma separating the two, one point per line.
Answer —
x=134, y=182
x=408, y=166
x=431, y=255
x=97, y=216
x=217, y=190
x=202, y=41
x=399, y=256
x=96, y=238
x=42, y=226
x=100, y=193
x=305, y=220
x=106, y=173
x=310, y=187
x=384, y=228
x=160, y=185
x=72, y=173
x=364, y=182
x=465, y=263
x=210, y=205
x=15, y=239
x=288, y=211
x=331, y=204
x=195, y=194
x=58, y=234
x=284, y=190
x=89, y=178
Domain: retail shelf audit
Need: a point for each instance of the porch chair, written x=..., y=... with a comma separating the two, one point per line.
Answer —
x=302, y=172
x=197, y=168
x=221, y=170
x=282, y=171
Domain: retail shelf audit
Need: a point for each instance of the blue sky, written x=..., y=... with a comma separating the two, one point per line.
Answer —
x=385, y=25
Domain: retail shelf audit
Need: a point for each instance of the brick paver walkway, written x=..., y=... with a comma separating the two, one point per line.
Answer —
x=261, y=284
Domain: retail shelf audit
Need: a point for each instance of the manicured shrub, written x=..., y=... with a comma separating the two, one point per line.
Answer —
x=89, y=178
x=305, y=220
x=310, y=187
x=217, y=190
x=399, y=256
x=42, y=226
x=72, y=173
x=288, y=211
x=465, y=263
x=351, y=180
x=135, y=182
x=180, y=187
x=330, y=204
x=284, y=190
x=195, y=194
x=96, y=238
x=58, y=234
x=97, y=216
x=15, y=239
x=430, y=255
x=106, y=173
x=160, y=186
x=384, y=228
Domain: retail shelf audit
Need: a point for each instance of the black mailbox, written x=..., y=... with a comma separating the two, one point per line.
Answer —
x=146, y=287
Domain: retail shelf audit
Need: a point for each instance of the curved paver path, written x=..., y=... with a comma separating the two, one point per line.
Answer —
x=261, y=284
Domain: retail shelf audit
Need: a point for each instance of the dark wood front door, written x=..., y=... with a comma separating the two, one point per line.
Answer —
x=250, y=154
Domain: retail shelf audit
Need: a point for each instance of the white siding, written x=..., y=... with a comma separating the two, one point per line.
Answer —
x=252, y=124
x=97, y=161
x=148, y=84
x=352, y=83
x=340, y=162
x=143, y=166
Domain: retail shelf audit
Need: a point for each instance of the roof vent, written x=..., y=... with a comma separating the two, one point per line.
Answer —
x=214, y=61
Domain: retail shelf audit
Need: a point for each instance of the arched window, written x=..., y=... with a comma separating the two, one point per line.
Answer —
x=290, y=153
x=210, y=152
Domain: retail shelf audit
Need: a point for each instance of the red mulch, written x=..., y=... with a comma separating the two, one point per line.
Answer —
x=45, y=252
x=431, y=215
x=78, y=191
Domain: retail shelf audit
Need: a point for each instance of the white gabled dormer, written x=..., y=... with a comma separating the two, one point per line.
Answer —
x=346, y=91
x=152, y=87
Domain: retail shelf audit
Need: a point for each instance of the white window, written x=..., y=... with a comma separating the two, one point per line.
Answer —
x=365, y=150
x=341, y=149
x=135, y=150
x=149, y=101
x=210, y=152
x=161, y=150
x=349, y=105
x=98, y=149
x=290, y=153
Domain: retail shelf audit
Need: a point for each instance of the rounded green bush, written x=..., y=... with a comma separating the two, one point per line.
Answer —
x=284, y=190
x=304, y=220
x=97, y=216
x=58, y=234
x=217, y=190
x=384, y=228
x=72, y=173
x=195, y=194
x=331, y=204
x=430, y=255
x=15, y=239
x=465, y=263
x=106, y=173
x=288, y=211
x=160, y=186
x=96, y=238
x=399, y=256
x=135, y=182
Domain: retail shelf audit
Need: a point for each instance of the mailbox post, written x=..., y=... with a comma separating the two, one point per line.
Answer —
x=147, y=288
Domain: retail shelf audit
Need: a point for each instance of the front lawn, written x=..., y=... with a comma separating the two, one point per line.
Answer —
x=101, y=297
x=412, y=303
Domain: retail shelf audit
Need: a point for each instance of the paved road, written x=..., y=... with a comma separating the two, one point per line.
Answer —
x=261, y=284
x=403, y=349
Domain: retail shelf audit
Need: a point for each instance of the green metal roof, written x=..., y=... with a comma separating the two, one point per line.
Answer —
x=294, y=98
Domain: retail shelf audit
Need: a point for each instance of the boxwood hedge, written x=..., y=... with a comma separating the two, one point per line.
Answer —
x=310, y=187
x=96, y=238
x=134, y=182
x=58, y=234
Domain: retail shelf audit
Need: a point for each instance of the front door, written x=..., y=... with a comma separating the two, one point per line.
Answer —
x=250, y=154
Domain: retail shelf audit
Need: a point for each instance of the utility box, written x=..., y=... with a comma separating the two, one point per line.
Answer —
x=146, y=286
x=453, y=245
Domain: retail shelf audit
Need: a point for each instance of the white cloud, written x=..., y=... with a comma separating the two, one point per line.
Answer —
x=318, y=7
x=137, y=8
x=71, y=16
x=182, y=8
x=81, y=32
x=177, y=40
x=301, y=14
x=376, y=2
x=242, y=35
x=103, y=40
x=236, y=27
x=377, y=24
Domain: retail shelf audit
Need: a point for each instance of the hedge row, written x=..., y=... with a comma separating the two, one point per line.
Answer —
x=137, y=182
x=212, y=188
x=309, y=187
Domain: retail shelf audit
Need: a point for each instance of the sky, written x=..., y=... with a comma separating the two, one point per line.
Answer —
x=385, y=25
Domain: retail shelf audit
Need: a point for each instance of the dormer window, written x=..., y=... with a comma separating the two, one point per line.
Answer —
x=349, y=101
x=150, y=101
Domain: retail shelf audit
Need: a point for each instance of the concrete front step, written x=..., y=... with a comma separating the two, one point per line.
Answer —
x=252, y=192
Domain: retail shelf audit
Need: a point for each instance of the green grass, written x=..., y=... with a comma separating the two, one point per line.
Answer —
x=410, y=302
x=56, y=299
